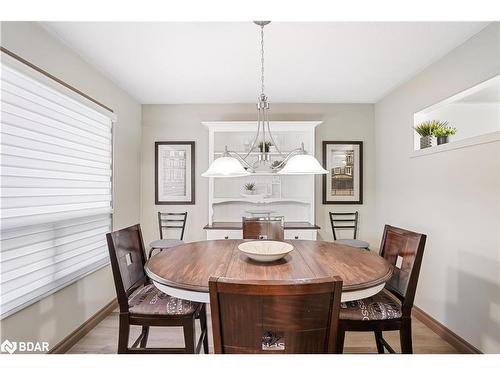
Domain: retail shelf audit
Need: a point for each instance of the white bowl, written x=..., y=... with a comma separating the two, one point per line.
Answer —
x=265, y=251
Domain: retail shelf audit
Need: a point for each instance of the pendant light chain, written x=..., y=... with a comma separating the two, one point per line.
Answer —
x=262, y=57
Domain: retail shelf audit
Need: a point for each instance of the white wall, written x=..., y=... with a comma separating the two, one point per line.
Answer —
x=453, y=197
x=183, y=122
x=54, y=317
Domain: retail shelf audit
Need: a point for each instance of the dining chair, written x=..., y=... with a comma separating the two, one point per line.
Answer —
x=264, y=228
x=390, y=309
x=275, y=317
x=347, y=220
x=143, y=305
x=166, y=221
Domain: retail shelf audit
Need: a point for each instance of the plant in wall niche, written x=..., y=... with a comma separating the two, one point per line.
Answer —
x=426, y=131
x=443, y=132
x=266, y=145
x=249, y=188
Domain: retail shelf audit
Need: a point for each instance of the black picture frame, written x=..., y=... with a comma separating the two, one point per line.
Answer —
x=358, y=163
x=191, y=183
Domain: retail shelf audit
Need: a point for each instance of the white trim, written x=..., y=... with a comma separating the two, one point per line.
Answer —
x=461, y=143
x=204, y=297
x=304, y=200
x=211, y=146
x=189, y=295
x=113, y=179
x=360, y=294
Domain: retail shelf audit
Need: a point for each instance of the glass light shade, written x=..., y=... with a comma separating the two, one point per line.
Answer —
x=302, y=164
x=225, y=166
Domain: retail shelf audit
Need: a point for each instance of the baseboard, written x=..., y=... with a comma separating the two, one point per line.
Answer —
x=67, y=343
x=449, y=336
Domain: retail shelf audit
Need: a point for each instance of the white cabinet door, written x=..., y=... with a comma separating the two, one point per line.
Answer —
x=222, y=234
x=300, y=234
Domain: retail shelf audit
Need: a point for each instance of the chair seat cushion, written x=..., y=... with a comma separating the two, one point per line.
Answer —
x=354, y=243
x=165, y=244
x=381, y=306
x=150, y=301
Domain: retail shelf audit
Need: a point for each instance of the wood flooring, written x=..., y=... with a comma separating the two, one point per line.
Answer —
x=103, y=339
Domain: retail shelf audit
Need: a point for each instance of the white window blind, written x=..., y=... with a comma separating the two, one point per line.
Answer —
x=56, y=189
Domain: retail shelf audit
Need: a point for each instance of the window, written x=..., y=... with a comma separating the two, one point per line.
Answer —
x=56, y=188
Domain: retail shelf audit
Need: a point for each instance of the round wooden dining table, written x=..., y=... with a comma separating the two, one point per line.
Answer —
x=183, y=271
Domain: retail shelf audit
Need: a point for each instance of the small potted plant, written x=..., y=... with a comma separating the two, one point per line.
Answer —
x=264, y=145
x=249, y=188
x=443, y=132
x=426, y=131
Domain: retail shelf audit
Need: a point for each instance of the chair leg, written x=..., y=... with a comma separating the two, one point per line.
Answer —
x=145, y=333
x=123, y=335
x=405, y=338
x=339, y=346
x=378, y=341
x=203, y=324
x=189, y=336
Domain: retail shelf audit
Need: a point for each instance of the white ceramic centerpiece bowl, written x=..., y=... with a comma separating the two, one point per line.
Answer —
x=265, y=251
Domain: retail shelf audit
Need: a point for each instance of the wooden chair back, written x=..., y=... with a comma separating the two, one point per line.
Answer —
x=126, y=252
x=267, y=228
x=275, y=317
x=404, y=250
x=346, y=220
x=172, y=220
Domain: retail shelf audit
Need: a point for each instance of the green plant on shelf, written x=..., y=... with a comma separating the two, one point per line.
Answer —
x=427, y=128
x=444, y=131
x=249, y=187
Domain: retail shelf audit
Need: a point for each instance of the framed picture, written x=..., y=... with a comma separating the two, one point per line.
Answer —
x=174, y=172
x=344, y=182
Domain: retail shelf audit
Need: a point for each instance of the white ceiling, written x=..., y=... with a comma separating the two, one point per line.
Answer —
x=337, y=62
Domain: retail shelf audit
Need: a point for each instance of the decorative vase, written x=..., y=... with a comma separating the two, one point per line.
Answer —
x=442, y=140
x=426, y=141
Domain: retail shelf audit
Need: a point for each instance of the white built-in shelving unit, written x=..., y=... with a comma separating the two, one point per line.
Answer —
x=290, y=196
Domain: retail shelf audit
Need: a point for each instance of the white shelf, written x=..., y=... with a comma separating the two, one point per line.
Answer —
x=461, y=143
x=264, y=174
x=257, y=174
x=261, y=200
x=255, y=153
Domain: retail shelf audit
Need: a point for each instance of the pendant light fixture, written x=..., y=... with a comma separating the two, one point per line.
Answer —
x=296, y=162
